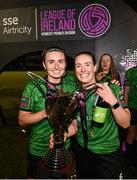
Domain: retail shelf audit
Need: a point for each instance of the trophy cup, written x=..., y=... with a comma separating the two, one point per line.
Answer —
x=57, y=161
x=56, y=107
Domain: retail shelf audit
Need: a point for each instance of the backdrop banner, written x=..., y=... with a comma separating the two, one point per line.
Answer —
x=51, y=23
x=17, y=25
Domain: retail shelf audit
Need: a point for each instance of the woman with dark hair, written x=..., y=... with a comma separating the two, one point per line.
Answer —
x=32, y=109
x=107, y=69
x=98, y=152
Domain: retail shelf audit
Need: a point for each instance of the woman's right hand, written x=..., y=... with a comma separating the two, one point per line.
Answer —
x=52, y=140
x=99, y=76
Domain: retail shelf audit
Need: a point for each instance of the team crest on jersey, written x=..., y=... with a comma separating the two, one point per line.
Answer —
x=24, y=102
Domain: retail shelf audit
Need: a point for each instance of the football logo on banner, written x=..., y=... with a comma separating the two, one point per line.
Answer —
x=94, y=20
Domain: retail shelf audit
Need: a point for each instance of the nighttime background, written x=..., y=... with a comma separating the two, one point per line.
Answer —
x=18, y=57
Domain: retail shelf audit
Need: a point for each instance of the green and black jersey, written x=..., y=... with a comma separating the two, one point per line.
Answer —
x=33, y=101
x=131, y=81
x=104, y=139
x=108, y=77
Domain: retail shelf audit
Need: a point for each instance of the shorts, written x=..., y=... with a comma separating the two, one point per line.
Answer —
x=32, y=165
x=133, y=116
x=90, y=165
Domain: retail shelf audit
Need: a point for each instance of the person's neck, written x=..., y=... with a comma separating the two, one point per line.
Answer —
x=89, y=85
x=54, y=81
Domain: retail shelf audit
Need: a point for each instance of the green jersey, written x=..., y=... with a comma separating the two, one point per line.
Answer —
x=105, y=139
x=33, y=101
x=106, y=78
x=131, y=80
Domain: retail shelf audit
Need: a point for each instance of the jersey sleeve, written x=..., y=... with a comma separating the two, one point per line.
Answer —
x=27, y=99
x=131, y=77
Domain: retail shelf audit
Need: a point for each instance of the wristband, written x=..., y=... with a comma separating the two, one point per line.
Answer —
x=115, y=106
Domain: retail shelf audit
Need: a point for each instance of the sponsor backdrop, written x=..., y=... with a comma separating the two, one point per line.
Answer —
x=50, y=23
x=17, y=25
x=98, y=27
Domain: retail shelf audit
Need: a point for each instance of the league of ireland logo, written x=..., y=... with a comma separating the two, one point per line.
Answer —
x=94, y=20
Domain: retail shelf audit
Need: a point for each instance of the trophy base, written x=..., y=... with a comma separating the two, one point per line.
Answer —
x=64, y=171
x=45, y=172
x=57, y=157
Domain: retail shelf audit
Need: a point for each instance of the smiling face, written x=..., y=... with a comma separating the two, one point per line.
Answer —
x=85, y=69
x=105, y=63
x=55, y=64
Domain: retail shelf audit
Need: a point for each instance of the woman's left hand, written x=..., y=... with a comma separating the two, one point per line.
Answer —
x=106, y=93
